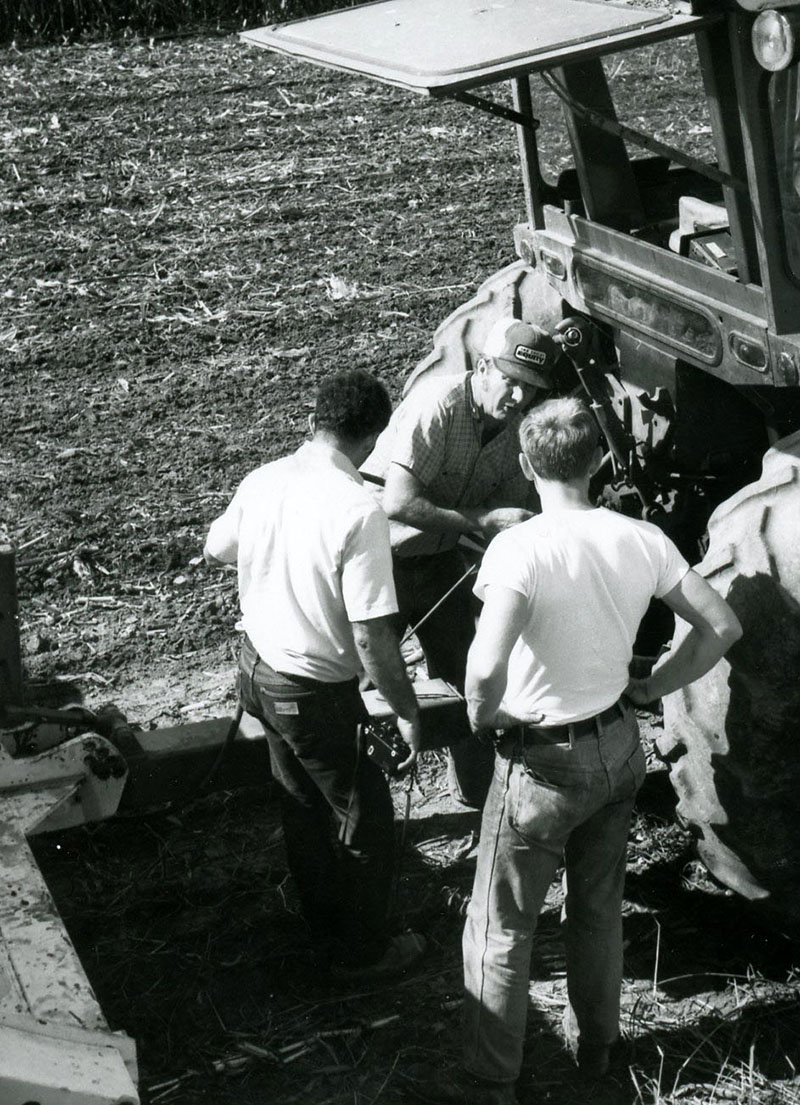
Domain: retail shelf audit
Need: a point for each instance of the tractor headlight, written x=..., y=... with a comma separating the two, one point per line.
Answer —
x=774, y=40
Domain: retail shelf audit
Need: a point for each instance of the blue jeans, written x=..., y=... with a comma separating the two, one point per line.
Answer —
x=547, y=802
x=336, y=808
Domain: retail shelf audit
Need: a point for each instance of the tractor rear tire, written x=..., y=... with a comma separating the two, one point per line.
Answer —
x=518, y=291
x=732, y=738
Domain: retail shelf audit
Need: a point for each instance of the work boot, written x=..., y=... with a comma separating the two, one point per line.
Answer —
x=593, y=1060
x=454, y=1086
x=402, y=951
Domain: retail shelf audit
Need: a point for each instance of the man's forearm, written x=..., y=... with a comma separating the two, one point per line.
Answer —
x=502, y=618
x=697, y=654
x=424, y=515
x=484, y=695
x=715, y=628
x=482, y=715
x=481, y=521
x=406, y=500
x=379, y=652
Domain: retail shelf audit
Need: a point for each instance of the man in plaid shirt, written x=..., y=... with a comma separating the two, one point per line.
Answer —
x=449, y=460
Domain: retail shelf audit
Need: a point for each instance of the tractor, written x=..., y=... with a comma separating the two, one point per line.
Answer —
x=677, y=284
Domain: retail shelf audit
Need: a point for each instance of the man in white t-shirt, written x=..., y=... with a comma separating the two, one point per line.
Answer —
x=318, y=603
x=563, y=596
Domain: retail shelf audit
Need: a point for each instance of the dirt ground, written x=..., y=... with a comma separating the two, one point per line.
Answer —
x=193, y=233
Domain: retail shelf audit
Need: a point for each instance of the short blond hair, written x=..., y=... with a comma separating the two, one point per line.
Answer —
x=559, y=439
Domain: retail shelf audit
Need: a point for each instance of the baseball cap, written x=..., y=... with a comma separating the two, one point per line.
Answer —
x=522, y=351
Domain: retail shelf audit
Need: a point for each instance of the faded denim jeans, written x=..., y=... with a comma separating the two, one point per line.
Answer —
x=549, y=802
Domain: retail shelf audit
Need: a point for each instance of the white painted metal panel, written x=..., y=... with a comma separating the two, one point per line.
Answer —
x=444, y=45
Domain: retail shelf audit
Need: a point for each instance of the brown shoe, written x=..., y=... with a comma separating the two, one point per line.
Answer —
x=403, y=950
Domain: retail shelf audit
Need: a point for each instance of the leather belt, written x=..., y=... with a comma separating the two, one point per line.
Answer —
x=574, y=731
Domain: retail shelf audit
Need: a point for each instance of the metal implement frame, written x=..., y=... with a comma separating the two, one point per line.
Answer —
x=55, y=1045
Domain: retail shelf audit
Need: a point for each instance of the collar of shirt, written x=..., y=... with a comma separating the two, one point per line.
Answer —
x=486, y=429
x=474, y=409
x=320, y=452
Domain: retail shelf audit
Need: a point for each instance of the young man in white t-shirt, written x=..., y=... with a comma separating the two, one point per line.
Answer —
x=563, y=595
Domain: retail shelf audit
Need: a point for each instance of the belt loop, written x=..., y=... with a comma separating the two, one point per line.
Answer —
x=519, y=742
x=571, y=731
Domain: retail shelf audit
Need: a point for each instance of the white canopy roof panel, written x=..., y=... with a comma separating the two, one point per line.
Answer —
x=441, y=46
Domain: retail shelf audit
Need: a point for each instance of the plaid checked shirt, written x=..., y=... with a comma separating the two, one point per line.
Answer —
x=436, y=434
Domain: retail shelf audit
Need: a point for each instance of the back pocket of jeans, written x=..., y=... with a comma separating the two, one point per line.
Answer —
x=544, y=812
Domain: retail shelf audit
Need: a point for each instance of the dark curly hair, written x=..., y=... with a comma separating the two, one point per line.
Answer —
x=352, y=405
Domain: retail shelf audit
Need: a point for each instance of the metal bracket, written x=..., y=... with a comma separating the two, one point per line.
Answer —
x=522, y=116
x=84, y=778
x=491, y=107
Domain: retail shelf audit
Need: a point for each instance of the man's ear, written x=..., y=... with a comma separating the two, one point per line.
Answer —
x=597, y=460
x=312, y=423
x=527, y=469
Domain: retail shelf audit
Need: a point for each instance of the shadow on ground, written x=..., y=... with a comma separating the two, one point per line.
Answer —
x=188, y=929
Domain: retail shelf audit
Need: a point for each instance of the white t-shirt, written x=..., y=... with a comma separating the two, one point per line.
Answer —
x=312, y=551
x=588, y=576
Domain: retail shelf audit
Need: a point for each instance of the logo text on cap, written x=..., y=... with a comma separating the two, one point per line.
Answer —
x=528, y=355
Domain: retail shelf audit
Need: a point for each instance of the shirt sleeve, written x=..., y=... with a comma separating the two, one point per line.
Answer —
x=673, y=567
x=420, y=441
x=505, y=566
x=223, y=535
x=367, y=581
